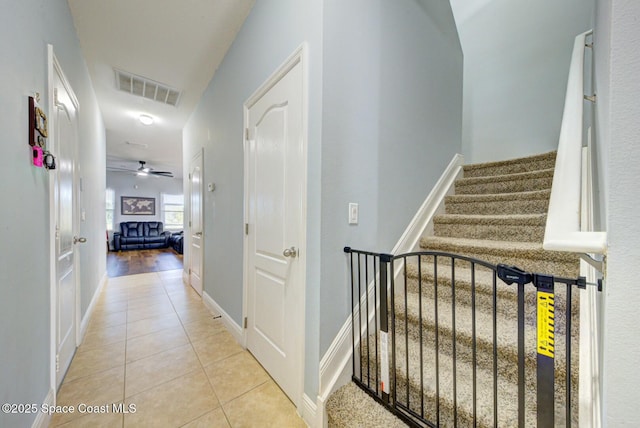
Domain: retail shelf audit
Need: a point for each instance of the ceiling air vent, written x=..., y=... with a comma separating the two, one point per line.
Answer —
x=146, y=88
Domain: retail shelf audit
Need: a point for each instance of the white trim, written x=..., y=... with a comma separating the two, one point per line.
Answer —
x=87, y=315
x=334, y=365
x=199, y=159
x=299, y=56
x=53, y=66
x=43, y=419
x=52, y=242
x=321, y=413
x=590, y=399
x=308, y=411
x=235, y=330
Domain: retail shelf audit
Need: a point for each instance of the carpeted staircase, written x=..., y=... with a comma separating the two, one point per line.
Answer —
x=497, y=214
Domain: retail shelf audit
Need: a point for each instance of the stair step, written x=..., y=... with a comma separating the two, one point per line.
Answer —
x=535, y=202
x=351, y=407
x=511, y=166
x=517, y=227
x=529, y=256
x=509, y=183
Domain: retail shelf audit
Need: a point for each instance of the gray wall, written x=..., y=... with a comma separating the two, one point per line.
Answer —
x=516, y=61
x=25, y=29
x=127, y=184
x=617, y=62
x=272, y=31
x=385, y=100
x=392, y=111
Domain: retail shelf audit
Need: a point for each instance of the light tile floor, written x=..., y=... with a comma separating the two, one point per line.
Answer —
x=153, y=346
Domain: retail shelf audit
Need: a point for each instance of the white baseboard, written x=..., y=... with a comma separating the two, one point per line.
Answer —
x=43, y=419
x=333, y=365
x=309, y=409
x=235, y=330
x=335, y=369
x=84, y=324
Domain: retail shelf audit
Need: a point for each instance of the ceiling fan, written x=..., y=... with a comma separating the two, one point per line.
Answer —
x=144, y=170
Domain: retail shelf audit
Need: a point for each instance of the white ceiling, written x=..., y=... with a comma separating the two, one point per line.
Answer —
x=179, y=43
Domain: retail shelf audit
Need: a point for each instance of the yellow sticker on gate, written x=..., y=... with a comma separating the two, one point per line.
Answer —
x=546, y=324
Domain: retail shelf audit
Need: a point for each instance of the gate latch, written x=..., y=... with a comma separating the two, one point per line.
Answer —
x=511, y=274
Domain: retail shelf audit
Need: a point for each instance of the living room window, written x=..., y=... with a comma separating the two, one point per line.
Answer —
x=111, y=207
x=173, y=211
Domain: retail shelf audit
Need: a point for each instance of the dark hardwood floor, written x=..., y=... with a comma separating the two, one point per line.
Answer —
x=131, y=262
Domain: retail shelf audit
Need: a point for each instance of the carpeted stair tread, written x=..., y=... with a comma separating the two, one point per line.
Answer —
x=514, y=227
x=351, y=407
x=514, y=219
x=529, y=256
x=529, y=163
x=531, y=202
x=507, y=183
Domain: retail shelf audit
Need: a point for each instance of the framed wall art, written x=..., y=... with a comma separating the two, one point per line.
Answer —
x=135, y=205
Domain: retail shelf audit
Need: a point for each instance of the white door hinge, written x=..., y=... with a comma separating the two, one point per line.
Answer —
x=245, y=322
x=246, y=134
x=57, y=363
x=246, y=228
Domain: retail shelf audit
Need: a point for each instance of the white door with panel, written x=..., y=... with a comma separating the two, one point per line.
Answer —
x=195, y=222
x=276, y=178
x=65, y=127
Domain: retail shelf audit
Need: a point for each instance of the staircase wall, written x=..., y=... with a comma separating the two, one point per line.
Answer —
x=392, y=105
x=516, y=62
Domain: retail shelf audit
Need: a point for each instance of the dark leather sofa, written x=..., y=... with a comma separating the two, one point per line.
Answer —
x=140, y=235
x=176, y=242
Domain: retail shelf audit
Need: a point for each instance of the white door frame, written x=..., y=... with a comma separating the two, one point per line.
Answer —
x=199, y=156
x=299, y=56
x=53, y=66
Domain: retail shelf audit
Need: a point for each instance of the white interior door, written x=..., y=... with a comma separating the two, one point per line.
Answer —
x=276, y=180
x=65, y=127
x=195, y=222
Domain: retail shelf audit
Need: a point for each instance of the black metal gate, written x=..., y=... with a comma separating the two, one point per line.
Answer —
x=447, y=340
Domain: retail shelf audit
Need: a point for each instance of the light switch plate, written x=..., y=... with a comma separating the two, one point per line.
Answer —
x=353, y=213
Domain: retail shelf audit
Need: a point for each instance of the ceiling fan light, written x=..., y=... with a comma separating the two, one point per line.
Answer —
x=142, y=173
x=145, y=119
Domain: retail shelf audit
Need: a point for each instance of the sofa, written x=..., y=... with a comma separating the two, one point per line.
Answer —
x=176, y=242
x=140, y=235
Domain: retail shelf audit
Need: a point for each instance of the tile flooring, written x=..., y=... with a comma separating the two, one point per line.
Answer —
x=151, y=344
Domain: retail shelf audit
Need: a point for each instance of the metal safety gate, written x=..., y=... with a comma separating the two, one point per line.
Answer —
x=447, y=340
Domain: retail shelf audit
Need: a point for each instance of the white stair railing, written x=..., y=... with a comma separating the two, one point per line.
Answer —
x=563, y=231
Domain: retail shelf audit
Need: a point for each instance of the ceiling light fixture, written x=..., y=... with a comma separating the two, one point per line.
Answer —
x=145, y=119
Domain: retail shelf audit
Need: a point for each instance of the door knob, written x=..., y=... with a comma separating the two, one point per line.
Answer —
x=198, y=233
x=80, y=240
x=290, y=252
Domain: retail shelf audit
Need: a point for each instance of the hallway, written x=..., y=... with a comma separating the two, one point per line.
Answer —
x=152, y=345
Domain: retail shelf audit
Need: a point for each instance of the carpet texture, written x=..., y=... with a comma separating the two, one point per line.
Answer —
x=497, y=214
